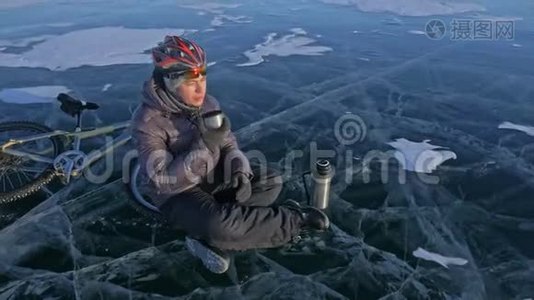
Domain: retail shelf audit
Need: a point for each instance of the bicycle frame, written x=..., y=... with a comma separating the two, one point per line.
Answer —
x=78, y=135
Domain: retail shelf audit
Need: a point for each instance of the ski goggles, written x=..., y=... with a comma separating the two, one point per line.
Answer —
x=189, y=74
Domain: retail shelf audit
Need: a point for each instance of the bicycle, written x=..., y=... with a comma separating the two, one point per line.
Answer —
x=57, y=152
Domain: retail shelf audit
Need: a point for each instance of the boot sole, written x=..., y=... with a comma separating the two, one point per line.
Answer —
x=327, y=220
x=211, y=260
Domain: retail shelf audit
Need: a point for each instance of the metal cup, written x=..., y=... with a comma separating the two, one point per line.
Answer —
x=213, y=119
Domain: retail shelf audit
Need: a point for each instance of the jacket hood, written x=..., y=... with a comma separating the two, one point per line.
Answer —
x=163, y=101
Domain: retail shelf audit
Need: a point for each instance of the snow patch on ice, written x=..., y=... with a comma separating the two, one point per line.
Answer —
x=36, y=94
x=298, y=30
x=291, y=44
x=7, y=4
x=420, y=157
x=378, y=31
x=393, y=21
x=25, y=42
x=66, y=51
x=211, y=7
x=218, y=10
x=509, y=125
x=106, y=87
x=411, y=7
x=487, y=17
x=438, y=258
x=216, y=22
x=60, y=24
x=219, y=20
x=417, y=32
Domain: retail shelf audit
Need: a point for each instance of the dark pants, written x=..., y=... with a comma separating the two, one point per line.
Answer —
x=209, y=212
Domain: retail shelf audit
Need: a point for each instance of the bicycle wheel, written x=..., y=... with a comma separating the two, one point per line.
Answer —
x=21, y=176
x=138, y=197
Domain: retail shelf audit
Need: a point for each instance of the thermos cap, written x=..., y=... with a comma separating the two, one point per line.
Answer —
x=323, y=166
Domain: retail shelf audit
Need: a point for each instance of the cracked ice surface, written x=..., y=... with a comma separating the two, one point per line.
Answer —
x=86, y=242
x=97, y=246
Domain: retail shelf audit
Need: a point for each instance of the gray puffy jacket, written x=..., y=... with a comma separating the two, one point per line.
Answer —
x=172, y=155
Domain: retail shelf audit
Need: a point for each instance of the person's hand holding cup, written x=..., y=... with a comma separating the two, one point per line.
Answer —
x=214, y=127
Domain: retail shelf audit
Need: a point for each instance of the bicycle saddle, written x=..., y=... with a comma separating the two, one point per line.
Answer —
x=73, y=106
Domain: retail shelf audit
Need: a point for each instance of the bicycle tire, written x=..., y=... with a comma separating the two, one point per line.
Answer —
x=42, y=179
x=136, y=200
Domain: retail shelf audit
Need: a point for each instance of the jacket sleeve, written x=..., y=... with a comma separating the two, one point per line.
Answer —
x=230, y=152
x=170, y=172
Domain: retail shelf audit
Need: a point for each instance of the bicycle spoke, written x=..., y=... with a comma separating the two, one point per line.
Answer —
x=27, y=169
x=29, y=179
x=10, y=171
x=11, y=183
x=31, y=170
x=42, y=147
x=20, y=180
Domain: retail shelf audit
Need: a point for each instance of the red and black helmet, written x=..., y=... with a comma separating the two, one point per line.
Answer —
x=178, y=55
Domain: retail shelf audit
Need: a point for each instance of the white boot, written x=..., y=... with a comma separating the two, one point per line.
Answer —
x=214, y=260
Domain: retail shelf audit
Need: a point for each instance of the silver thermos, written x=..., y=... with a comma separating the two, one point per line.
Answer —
x=322, y=176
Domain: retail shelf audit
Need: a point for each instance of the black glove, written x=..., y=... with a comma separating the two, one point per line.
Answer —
x=241, y=182
x=213, y=138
